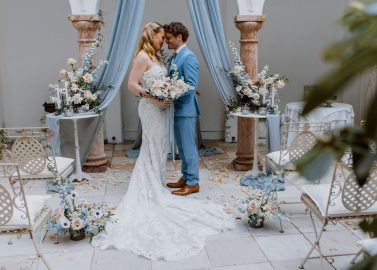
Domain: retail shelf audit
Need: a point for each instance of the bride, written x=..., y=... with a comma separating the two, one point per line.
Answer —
x=150, y=221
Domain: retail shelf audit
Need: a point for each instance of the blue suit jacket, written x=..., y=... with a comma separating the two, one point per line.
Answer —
x=188, y=67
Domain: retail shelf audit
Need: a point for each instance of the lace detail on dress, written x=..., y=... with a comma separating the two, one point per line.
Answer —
x=150, y=220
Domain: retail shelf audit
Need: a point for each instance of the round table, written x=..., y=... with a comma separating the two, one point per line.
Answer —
x=256, y=117
x=79, y=175
x=338, y=115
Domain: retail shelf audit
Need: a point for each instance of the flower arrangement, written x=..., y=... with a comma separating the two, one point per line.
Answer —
x=76, y=88
x=78, y=216
x=258, y=207
x=258, y=93
x=164, y=87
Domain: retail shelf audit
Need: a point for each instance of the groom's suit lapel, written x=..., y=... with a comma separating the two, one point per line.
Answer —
x=177, y=58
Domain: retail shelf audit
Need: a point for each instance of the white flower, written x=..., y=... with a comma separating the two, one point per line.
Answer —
x=238, y=88
x=64, y=222
x=280, y=84
x=62, y=72
x=71, y=61
x=74, y=79
x=238, y=69
x=357, y=5
x=77, y=99
x=98, y=214
x=253, y=207
x=87, y=78
x=77, y=223
x=74, y=87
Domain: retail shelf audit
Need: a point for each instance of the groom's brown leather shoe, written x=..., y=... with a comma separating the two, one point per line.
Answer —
x=186, y=190
x=180, y=184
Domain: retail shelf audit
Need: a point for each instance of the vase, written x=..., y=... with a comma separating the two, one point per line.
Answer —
x=76, y=235
x=256, y=221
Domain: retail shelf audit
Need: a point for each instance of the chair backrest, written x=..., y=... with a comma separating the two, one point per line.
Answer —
x=31, y=149
x=345, y=190
x=299, y=137
x=12, y=198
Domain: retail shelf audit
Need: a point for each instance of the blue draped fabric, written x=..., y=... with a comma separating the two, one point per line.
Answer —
x=206, y=19
x=123, y=41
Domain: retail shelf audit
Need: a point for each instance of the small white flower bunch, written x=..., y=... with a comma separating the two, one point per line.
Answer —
x=74, y=215
x=165, y=87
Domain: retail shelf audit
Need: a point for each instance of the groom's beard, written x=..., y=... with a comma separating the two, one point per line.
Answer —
x=173, y=45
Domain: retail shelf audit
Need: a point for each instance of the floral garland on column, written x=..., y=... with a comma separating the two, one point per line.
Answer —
x=257, y=96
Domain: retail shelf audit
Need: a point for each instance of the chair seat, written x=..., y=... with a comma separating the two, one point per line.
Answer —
x=35, y=204
x=64, y=167
x=369, y=246
x=318, y=196
x=281, y=159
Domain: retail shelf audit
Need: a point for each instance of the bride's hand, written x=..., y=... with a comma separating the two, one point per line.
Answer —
x=167, y=103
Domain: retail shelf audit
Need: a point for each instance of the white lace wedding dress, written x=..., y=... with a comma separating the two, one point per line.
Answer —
x=150, y=220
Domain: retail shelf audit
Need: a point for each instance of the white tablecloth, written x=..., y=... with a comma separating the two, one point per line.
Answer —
x=339, y=115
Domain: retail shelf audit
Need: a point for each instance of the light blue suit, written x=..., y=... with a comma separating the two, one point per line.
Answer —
x=185, y=115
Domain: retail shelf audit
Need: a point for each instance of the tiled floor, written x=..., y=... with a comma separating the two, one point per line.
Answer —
x=244, y=248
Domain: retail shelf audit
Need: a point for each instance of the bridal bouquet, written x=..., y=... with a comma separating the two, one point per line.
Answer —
x=76, y=86
x=78, y=216
x=258, y=207
x=164, y=87
x=258, y=93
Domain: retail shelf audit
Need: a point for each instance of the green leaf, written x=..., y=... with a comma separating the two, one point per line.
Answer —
x=316, y=163
x=369, y=226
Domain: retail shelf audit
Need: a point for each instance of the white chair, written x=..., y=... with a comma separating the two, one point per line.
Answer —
x=297, y=138
x=341, y=199
x=20, y=213
x=32, y=150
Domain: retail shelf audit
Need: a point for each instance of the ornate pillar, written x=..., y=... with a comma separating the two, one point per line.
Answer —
x=249, y=26
x=87, y=26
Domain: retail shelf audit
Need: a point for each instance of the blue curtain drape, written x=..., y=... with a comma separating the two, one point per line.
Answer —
x=123, y=41
x=208, y=27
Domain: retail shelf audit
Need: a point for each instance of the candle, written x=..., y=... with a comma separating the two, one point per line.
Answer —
x=273, y=97
x=264, y=94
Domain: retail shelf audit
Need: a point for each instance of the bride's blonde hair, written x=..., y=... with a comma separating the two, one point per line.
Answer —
x=146, y=41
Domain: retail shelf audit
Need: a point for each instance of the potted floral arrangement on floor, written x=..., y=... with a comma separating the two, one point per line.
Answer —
x=258, y=207
x=79, y=217
x=258, y=95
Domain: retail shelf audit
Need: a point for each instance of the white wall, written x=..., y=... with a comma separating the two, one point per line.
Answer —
x=36, y=38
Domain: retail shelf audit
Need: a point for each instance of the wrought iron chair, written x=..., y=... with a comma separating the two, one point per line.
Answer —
x=297, y=138
x=32, y=150
x=341, y=199
x=20, y=213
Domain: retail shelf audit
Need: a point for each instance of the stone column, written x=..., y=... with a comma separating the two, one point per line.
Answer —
x=87, y=26
x=249, y=26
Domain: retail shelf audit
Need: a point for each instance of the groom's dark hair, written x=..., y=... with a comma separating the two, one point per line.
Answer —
x=176, y=28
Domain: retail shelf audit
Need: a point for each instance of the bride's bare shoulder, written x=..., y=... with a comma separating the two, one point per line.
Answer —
x=142, y=55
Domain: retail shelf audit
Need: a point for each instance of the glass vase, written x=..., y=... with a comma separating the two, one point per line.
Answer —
x=256, y=221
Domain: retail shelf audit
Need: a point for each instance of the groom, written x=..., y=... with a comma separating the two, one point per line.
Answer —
x=186, y=108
